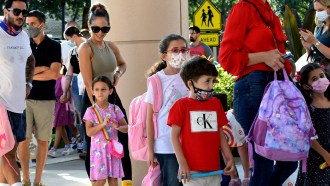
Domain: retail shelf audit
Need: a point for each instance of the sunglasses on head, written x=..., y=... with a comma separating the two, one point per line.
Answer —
x=96, y=29
x=17, y=11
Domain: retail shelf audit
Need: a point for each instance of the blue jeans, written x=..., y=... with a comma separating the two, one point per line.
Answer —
x=169, y=167
x=248, y=93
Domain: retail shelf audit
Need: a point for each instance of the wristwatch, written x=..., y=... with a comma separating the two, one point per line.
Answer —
x=29, y=84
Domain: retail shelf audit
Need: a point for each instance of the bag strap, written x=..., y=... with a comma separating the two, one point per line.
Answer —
x=99, y=118
x=157, y=91
x=264, y=20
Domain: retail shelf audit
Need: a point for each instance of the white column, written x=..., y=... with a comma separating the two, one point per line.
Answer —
x=137, y=26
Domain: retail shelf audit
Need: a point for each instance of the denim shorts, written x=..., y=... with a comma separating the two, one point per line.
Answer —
x=18, y=125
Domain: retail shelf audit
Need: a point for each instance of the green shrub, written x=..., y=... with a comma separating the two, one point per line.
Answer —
x=225, y=86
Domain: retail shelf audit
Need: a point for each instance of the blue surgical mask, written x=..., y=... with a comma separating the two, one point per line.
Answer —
x=202, y=95
x=71, y=44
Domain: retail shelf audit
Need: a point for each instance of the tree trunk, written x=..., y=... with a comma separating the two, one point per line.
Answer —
x=85, y=14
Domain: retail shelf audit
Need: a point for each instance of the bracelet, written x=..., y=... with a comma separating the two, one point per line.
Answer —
x=119, y=72
x=317, y=44
x=29, y=84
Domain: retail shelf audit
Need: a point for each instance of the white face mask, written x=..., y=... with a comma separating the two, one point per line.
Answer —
x=322, y=15
x=177, y=60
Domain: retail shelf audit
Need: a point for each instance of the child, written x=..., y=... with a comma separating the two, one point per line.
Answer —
x=103, y=165
x=239, y=142
x=63, y=117
x=196, y=123
x=314, y=85
x=174, y=51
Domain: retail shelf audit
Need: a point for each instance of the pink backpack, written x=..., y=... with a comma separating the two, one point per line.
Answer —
x=7, y=141
x=153, y=178
x=282, y=129
x=137, y=128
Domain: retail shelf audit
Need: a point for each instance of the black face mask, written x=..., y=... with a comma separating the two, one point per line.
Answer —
x=202, y=95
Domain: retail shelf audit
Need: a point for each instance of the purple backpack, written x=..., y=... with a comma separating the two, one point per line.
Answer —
x=283, y=128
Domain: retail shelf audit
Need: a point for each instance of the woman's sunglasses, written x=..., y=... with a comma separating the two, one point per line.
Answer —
x=17, y=11
x=96, y=29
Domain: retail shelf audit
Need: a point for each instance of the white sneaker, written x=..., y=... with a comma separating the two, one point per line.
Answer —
x=67, y=150
x=52, y=152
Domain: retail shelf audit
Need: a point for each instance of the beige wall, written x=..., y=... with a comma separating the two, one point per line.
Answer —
x=137, y=26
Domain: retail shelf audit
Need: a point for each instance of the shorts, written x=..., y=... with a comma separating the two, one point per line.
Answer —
x=18, y=125
x=204, y=181
x=234, y=132
x=40, y=118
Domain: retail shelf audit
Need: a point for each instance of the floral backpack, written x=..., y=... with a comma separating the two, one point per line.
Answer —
x=282, y=129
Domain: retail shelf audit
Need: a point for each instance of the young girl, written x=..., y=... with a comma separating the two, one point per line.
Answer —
x=314, y=85
x=174, y=51
x=63, y=116
x=103, y=165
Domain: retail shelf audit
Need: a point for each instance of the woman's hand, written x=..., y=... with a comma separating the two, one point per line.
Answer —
x=116, y=77
x=64, y=98
x=274, y=60
x=308, y=38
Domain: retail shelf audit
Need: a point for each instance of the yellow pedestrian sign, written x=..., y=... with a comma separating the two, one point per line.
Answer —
x=210, y=39
x=207, y=17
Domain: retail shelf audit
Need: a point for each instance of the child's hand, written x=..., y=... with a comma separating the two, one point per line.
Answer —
x=230, y=167
x=115, y=124
x=106, y=120
x=184, y=172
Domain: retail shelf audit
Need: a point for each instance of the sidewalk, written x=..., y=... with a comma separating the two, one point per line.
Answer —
x=63, y=171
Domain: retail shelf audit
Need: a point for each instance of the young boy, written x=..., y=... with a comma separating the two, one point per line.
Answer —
x=196, y=123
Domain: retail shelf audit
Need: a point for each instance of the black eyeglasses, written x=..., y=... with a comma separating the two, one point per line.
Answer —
x=17, y=11
x=96, y=29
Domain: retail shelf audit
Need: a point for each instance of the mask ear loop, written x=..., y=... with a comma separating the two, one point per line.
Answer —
x=192, y=83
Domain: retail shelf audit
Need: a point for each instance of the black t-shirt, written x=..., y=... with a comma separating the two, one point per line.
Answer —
x=74, y=61
x=46, y=53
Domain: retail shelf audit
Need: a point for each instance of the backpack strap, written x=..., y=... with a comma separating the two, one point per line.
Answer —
x=157, y=95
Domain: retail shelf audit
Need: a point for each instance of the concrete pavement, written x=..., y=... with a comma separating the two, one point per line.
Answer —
x=63, y=171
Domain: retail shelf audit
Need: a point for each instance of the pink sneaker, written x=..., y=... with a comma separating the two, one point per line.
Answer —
x=235, y=182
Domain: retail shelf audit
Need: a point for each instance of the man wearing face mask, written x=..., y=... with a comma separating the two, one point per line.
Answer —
x=197, y=47
x=317, y=45
x=41, y=101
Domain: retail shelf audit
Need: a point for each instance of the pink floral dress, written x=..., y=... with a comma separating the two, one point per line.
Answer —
x=103, y=165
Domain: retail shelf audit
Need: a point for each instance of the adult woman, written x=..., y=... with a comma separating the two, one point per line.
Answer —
x=99, y=57
x=317, y=45
x=251, y=54
x=72, y=34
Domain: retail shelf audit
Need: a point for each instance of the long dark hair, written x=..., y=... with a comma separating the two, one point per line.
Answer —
x=304, y=75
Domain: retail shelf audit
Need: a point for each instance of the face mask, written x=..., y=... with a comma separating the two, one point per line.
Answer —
x=177, y=60
x=71, y=43
x=202, y=95
x=322, y=15
x=321, y=85
x=33, y=31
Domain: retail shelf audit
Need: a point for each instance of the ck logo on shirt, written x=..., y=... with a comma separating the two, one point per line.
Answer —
x=203, y=121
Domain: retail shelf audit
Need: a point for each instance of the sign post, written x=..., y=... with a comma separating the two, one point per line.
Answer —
x=208, y=19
